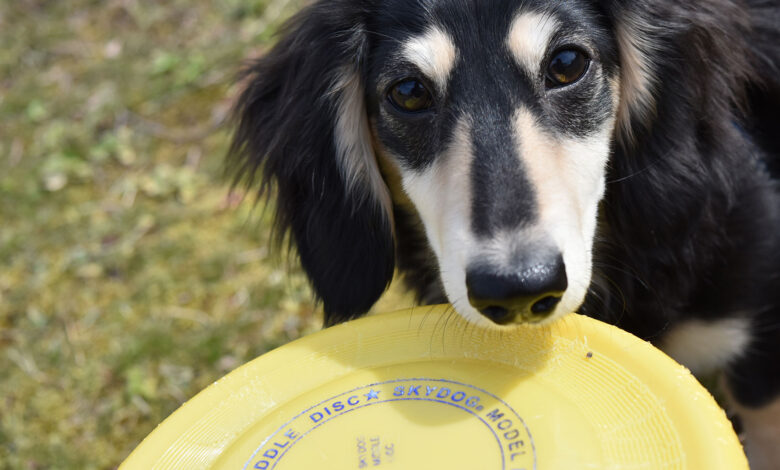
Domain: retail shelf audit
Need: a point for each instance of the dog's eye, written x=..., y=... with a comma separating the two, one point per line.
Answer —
x=410, y=95
x=566, y=67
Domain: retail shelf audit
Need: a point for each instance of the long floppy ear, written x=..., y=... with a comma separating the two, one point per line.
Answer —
x=684, y=68
x=699, y=48
x=303, y=134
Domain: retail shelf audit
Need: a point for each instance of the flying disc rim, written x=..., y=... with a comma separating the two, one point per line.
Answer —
x=422, y=334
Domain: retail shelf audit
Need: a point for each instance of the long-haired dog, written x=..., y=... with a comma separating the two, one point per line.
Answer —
x=522, y=159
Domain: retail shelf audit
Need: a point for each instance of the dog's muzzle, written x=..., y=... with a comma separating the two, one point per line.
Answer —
x=529, y=293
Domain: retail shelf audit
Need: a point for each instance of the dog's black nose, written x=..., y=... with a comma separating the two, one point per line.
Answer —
x=530, y=293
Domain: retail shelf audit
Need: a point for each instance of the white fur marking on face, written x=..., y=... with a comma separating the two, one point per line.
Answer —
x=567, y=178
x=442, y=196
x=353, y=143
x=703, y=346
x=528, y=38
x=433, y=53
x=567, y=181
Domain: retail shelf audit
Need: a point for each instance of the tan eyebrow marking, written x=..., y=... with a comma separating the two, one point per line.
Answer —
x=528, y=38
x=433, y=53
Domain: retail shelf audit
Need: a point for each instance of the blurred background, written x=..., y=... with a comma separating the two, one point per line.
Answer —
x=130, y=276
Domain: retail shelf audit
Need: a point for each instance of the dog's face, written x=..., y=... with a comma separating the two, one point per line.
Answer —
x=498, y=117
x=494, y=118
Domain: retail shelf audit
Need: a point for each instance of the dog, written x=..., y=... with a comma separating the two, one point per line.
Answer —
x=522, y=159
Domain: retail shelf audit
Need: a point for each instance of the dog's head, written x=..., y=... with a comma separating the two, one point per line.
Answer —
x=491, y=121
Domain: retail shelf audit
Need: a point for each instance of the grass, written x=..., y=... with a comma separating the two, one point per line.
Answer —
x=130, y=277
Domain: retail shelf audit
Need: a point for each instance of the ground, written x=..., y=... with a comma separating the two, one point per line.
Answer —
x=131, y=277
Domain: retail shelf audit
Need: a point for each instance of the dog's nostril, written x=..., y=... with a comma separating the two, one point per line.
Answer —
x=546, y=305
x=499, y=315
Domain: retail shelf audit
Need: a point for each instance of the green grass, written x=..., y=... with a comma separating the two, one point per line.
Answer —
x=130, y=278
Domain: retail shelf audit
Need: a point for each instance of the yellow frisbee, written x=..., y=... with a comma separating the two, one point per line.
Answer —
x=423, y=389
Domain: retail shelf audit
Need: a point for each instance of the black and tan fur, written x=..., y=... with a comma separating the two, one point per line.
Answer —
x=645, y=193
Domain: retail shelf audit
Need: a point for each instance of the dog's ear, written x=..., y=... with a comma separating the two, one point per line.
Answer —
x=697, y=46
x=303, y=134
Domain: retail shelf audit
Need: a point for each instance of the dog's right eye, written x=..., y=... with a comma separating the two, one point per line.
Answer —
x=410, y=95
x=566, y=67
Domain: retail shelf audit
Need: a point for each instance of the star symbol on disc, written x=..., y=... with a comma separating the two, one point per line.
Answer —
x=373, y=394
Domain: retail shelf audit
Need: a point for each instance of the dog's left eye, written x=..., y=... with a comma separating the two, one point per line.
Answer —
x=410, y=95
x=566, y=67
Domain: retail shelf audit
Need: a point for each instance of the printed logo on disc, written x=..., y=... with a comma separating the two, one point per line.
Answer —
x=512, y=437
